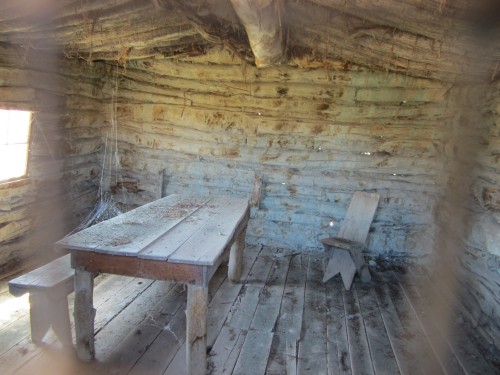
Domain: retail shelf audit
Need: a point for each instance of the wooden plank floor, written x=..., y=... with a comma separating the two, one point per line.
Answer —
x=280, y=319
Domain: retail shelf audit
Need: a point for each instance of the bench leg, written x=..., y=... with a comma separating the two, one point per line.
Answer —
x=61, y=323
x=341, y=262
x=196, y=330
x=40, y=316
x=360, y=264
x=84, y=315
x=235, y=266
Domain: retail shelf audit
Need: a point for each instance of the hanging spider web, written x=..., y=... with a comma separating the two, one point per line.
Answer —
x=106, y=206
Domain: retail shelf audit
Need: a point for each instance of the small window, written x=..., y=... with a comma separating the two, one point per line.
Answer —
x=14, y=143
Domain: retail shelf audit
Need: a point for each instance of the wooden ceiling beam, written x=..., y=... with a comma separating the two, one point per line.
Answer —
x=262, y=22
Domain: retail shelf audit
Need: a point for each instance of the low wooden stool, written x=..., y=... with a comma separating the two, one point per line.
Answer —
x=345, y=249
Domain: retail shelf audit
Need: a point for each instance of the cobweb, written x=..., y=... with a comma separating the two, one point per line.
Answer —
x=106, y=206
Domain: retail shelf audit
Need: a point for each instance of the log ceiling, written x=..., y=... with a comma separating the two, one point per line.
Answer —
x=448, y=40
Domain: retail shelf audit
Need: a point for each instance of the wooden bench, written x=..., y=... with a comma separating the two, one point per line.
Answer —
x=48, y=287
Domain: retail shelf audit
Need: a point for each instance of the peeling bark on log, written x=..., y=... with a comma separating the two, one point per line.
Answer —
x=262, y=22
x=312, y=134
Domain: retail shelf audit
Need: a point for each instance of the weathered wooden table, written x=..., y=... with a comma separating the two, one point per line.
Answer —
x=176, y=238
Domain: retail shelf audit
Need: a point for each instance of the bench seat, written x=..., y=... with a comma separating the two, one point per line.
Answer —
x=48, y=286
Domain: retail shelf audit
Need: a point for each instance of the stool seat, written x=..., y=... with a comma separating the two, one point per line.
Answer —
x=341, y=243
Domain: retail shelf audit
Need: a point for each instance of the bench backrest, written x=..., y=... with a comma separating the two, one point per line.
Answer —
x=359, y=216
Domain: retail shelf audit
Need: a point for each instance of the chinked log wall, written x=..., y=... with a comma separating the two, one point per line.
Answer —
x=315, y=136
x=481, y=263
x=64, y=165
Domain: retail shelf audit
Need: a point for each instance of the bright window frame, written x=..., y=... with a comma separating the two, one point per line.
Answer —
x=15, y=136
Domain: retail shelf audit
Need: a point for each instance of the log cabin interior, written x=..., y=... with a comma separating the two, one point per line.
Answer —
x=294, y=105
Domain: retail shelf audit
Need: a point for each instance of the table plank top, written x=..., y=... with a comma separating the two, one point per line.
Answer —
x=177, y=228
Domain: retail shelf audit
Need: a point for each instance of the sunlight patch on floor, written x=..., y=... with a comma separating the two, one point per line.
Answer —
x=14, y=306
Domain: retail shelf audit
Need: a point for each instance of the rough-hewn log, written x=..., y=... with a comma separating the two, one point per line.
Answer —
x=354, y=38
x=262, y=22
x=39, y=209
x=315, y=135
x=196, y=329
x=445, y=40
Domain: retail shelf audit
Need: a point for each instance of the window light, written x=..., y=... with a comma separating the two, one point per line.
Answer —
x=14, y=143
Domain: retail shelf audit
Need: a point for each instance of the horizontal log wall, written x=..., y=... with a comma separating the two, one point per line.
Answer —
x=314, y=135
x=64, y=164
x=481, y=262
x=429, y=39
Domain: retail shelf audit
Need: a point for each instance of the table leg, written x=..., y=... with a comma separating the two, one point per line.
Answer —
x=196, y=330
x=235, y=265
x=84, y=315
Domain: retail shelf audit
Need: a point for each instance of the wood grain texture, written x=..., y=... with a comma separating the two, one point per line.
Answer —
x=136, y=267
x=52, y=276
x=344, y=131
x=312, y=347
x=84, y=315
x=267, y=311
x=197, y=230
x=91, y=254
x=216, y=234
x=359, y=216
x=254, y=353
x=223, y=355
x=338, y=352
x=401, y=323
x=131, y=232
x=428, y=39
x=196, y=330
x=235, y=266
x=63, y=174
x=164, y=246
x=381, y=352
x=341, y=262
x=140, y=327
x=365, y=103
x=359, y=349
x=288, y=327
